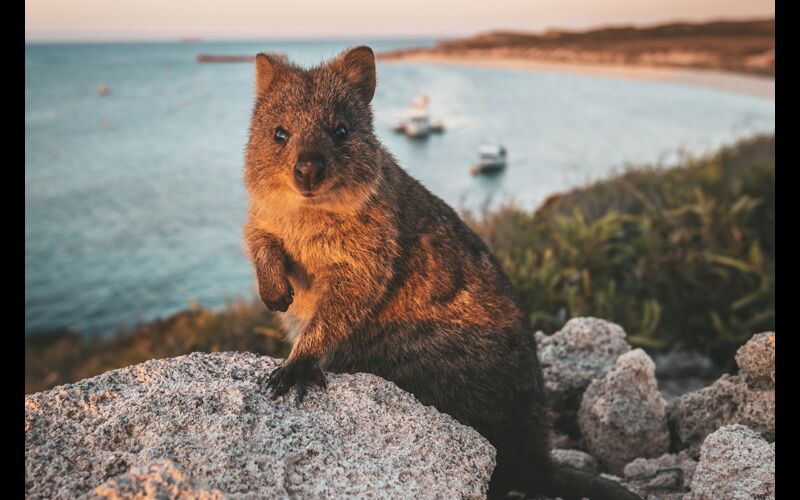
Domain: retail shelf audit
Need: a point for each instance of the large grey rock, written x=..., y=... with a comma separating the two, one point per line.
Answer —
x=729, y=400
x=666, y=476
x=756, y=360
x=208, y=415
x=735, y=462
x=583, y=350
x=623, y=416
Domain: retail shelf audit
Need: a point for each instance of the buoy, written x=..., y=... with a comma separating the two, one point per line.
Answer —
x=102, y=90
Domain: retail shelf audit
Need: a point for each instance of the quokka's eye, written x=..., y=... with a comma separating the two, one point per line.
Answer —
x=281, y=135
x=339, y=133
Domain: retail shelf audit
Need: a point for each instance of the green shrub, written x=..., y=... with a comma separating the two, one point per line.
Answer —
x=681, y=255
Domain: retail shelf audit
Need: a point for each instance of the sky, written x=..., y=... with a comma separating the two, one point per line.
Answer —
x=276, y=19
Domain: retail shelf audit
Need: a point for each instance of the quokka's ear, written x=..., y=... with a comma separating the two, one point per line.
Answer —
x=358, y=67
x=267, y=66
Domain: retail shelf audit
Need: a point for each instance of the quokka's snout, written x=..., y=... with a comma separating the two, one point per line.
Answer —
x=309, y=172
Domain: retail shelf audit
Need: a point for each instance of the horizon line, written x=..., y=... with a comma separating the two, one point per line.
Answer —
x=255, y=38
x=65, y=36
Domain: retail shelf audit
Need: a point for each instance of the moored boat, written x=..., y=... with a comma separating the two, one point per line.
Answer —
x=418, y=125
x=491, y=159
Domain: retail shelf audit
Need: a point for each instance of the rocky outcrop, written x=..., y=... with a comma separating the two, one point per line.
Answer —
x=202, y=424
x=735, y=462
x=623, y=416
x=583, y=350
x=747, y=399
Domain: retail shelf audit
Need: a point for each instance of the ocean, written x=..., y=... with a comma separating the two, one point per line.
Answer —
x=134, y=201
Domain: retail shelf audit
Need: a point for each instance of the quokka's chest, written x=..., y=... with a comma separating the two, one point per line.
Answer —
x=315, y=257
x=315, y=249
x=315, y=244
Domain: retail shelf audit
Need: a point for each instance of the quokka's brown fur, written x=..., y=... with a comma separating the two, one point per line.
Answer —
x=376, y=274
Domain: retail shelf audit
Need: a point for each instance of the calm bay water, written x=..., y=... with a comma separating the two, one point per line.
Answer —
x=135, y=203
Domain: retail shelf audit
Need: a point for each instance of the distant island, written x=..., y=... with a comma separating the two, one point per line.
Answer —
x=210, y=58
x=744, y=47
x=230, y=58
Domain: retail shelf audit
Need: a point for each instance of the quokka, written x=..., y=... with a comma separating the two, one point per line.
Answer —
x=375, y=274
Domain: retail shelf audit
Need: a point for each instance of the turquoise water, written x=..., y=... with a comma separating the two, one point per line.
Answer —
x=134, y=201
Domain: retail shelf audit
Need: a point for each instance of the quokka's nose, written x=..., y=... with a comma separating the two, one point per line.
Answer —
x=309, y=171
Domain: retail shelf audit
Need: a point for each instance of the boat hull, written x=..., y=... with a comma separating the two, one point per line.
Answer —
x=487, y=168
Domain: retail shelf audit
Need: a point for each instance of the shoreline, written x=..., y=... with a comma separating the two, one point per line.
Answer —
x=737, y=83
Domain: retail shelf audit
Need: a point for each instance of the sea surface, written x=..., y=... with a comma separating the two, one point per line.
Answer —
x=135, y=202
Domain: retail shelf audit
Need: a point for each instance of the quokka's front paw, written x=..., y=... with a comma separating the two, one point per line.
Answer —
x=276, y=297
x=300, y=372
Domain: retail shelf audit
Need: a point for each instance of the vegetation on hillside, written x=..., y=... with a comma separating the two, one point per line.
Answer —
x=684, y=255
x=737, y=46
x=58, y=357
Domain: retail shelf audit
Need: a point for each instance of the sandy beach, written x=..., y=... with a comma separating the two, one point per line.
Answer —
x=758, y=86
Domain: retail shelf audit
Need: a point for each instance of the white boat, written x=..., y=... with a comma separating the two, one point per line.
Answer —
x=418, y=124
x=491, y=158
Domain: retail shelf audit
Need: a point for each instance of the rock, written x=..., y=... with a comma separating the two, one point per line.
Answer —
x=735, y=462
x=623, y=416
x=756, y=360
x=583, y=350
x=729, y=400
x=160, y=479
x=747, y=398
x=576, y=459
x=208, y=415
x=662, y=477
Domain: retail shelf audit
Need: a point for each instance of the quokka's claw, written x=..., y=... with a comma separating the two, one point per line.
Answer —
x=299, y=372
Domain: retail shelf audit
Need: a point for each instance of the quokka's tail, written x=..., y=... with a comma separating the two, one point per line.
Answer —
x=571, y=484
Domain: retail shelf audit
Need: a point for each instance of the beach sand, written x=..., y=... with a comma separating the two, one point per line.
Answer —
x=758, y=86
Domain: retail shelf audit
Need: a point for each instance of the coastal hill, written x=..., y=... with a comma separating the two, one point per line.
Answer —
x=733, y=46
